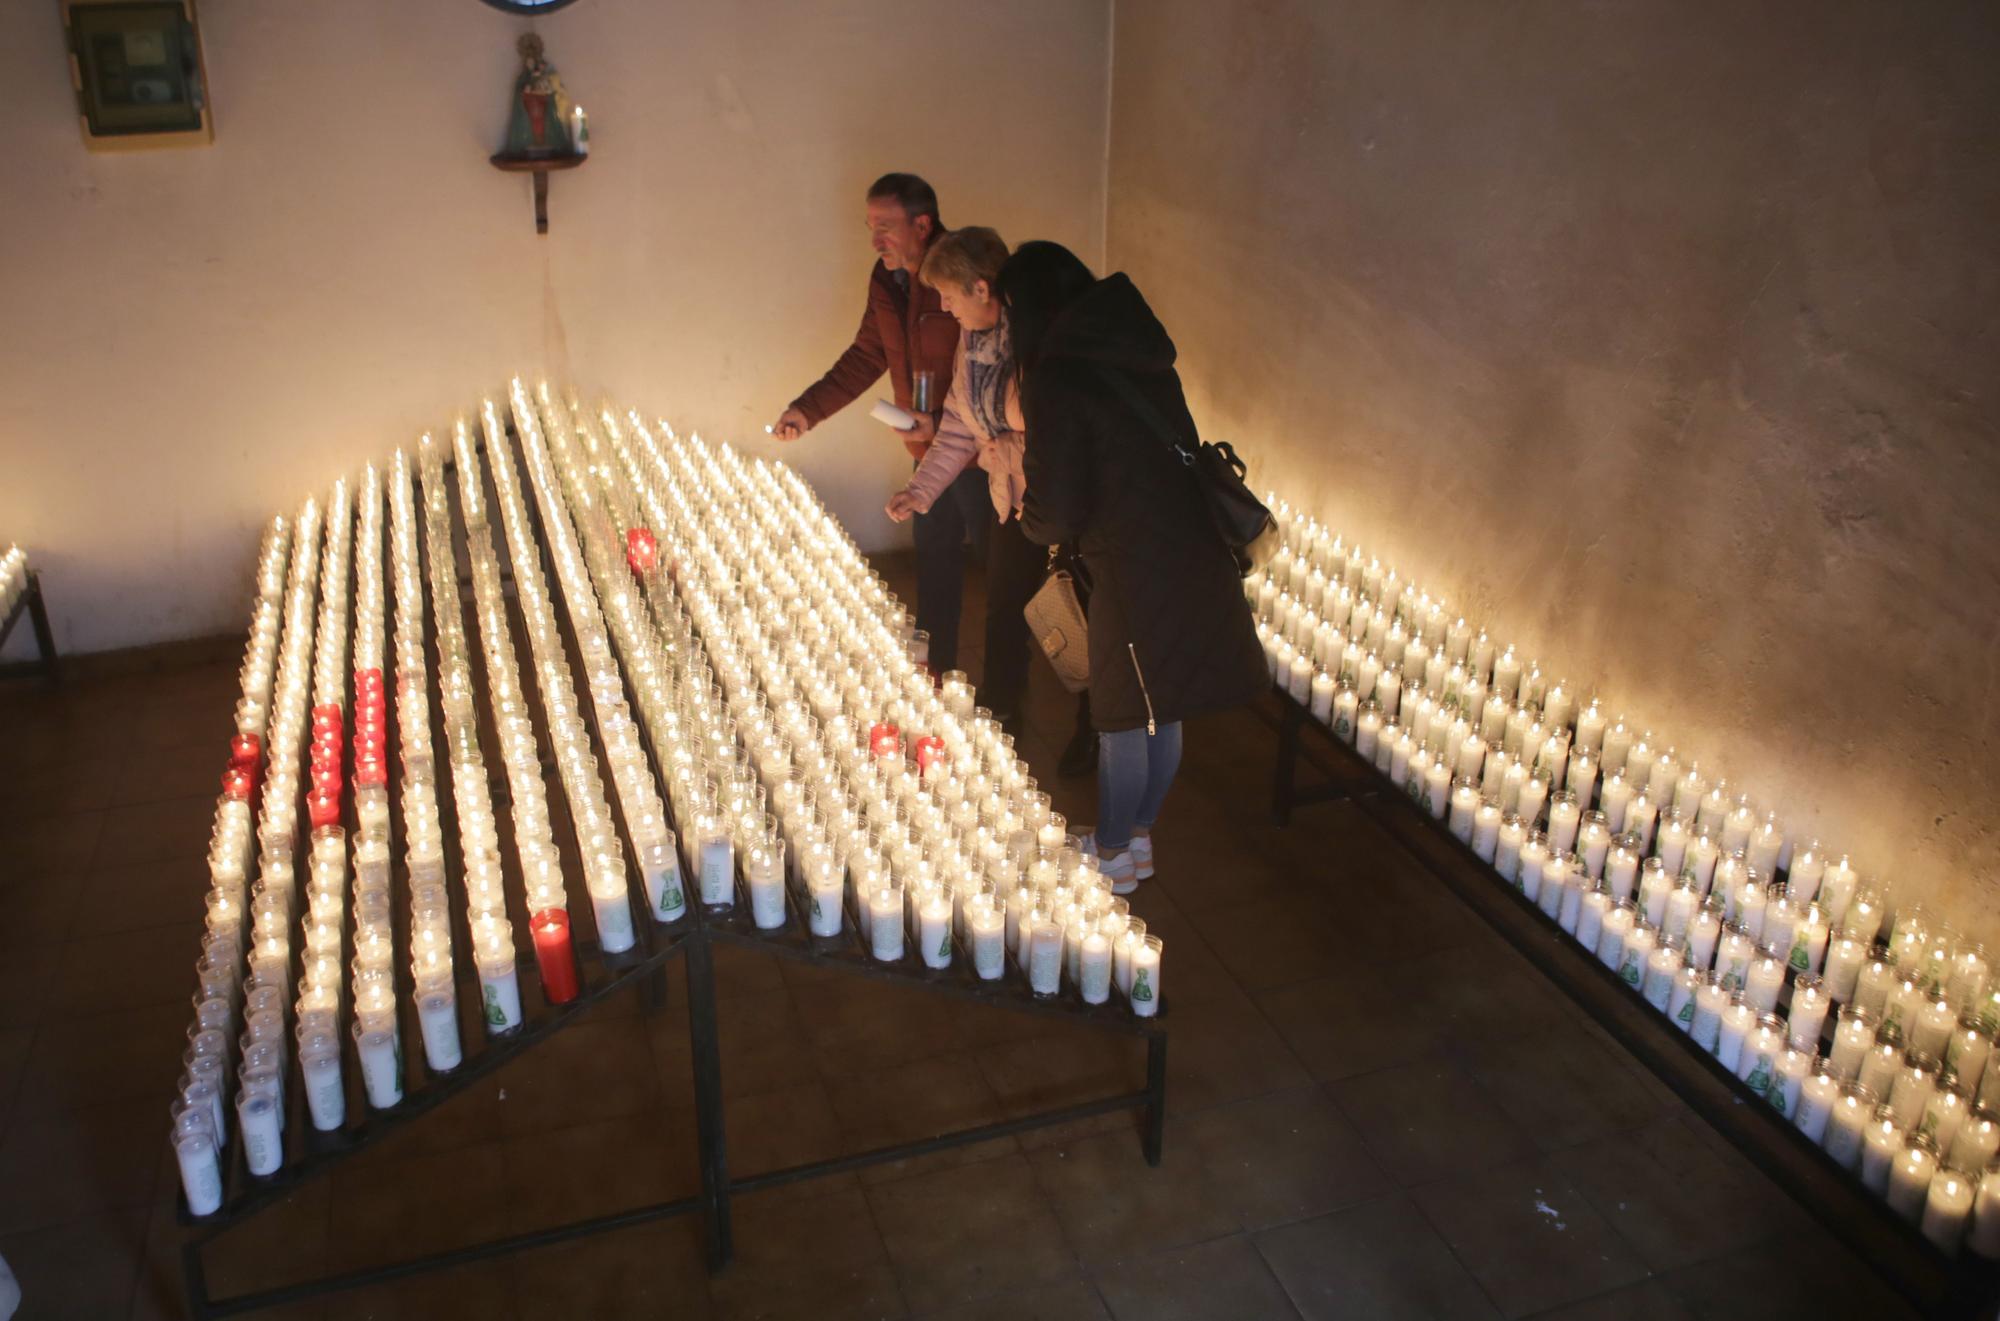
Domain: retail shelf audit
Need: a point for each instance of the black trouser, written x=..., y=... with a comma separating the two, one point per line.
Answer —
x=1014, y=569
x=940, y=538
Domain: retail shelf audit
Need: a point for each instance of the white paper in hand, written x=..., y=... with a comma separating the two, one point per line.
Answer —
x=888, y=413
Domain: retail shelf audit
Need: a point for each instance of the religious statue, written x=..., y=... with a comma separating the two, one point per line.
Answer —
x=538, y=124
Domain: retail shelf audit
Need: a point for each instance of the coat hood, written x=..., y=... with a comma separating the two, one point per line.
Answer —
x=1110, y=323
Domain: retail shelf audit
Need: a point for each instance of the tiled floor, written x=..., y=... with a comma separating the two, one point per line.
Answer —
x=1377, y=1108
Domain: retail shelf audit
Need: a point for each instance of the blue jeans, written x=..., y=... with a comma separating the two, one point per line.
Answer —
x=940, y=537
x=1134, y=771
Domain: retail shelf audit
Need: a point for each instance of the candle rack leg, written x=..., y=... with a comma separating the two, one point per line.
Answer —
x=38, y=615
x=194, y=1281
x=541, y=201
x=1284, y=776
x=1156, y=1098
x=705, y=1039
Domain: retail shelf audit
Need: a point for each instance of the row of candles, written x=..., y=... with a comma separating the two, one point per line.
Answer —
x=1668, y=878
x=801, y=735
x=272, y=711
x=777, y=678
x=13, y=580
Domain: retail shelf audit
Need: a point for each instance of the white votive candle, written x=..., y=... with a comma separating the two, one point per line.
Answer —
x=1947, y=1208
x=1680, y=999
x=1915, y=1082
x=1846, y=1131
x=1737, y=1022
x=989, y=943
x=1985, y=1237
x=1565, y=821
x=1882, y=1143
x=1910, y=1178
x=885, y=923
x=934, y=930
x=1977, y=1141
x=1486, y=821
x=1733, y=956
x=1621, y=875
x=1663, y=968
x=1321, y=696
x=1679, y=904
x=1711, y=1002
x=381, y=1066
x=1508, y=843
x=1640, y=942
x=437, y=1016
x=1807, y=1016
x=1094, y=983
x=1533, y=795
x=1534, y=872
x=1464, y=805
x=1838, y=885
x=1931, y=1027
x=1816, y=1102
x=1757, y=1063
x=1145, y=993
x=1612, y=931
x=1704, y=933
x=1592, y=905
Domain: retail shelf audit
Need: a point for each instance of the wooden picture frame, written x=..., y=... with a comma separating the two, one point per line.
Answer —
x=137, y=69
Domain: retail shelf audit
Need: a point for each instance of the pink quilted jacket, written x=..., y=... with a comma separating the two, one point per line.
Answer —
x=960, y=442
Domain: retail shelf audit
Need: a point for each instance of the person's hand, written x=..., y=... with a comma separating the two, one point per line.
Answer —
x=791, y=424
x=917, y=439
x=901, y=506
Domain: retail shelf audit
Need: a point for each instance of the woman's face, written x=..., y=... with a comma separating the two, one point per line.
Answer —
x=975, y=306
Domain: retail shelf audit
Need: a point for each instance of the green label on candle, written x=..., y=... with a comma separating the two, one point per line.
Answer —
x=671, y=898
x=1629, y=974
x=495, y=1016
x=1777, y=1096
x=1801, y=960
x=1686, y=1015
x=1760, y=1076
x=1142, y=985
x=817, y=912
x=944, y=946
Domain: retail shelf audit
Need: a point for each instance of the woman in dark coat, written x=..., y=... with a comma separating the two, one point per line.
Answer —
x=1170, y=633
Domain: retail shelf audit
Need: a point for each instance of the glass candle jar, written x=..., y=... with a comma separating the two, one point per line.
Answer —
x=1910, y=1176
x=1846, y=1130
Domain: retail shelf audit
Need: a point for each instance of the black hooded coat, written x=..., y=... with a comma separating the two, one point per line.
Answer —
x=1171, y=635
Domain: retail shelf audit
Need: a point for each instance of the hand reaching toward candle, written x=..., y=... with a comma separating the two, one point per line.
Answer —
x=791, y=424
x=901, y=506
x=917, y=439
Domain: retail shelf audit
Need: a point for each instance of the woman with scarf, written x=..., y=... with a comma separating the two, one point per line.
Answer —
x=982, y=423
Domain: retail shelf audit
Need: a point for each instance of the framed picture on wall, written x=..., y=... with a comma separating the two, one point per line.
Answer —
x=136, y=66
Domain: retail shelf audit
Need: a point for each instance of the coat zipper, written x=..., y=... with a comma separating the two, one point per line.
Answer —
x=1134, y=651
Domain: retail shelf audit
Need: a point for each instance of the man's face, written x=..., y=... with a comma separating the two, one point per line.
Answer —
x=898, y=240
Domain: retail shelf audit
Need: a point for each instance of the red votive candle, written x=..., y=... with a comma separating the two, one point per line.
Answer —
x=245, y=749
x=238, y=782
x=370, y=770
x=930, y=750
x=553, y=955
x=323, y=808
x=884, y=739
x=642, y=549
x=326, y=715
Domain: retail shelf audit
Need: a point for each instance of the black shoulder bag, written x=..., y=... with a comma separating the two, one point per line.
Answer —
x=1239, y=517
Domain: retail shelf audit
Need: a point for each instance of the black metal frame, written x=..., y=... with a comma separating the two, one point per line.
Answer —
x=694, y=937
x=36, y=609
x=1939, y=1285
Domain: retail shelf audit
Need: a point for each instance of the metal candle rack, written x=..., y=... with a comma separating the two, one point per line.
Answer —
x=31, y=607
x=1938, y=1285
x=694, y=937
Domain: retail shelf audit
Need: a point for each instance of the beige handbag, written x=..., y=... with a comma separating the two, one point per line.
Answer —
x=1056, y=619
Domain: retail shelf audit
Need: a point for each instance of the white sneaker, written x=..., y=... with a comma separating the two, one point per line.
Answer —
x=1142, y=856
x=1122, y=871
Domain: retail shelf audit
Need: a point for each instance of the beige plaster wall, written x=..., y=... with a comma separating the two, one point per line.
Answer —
x=1661, y=335
x=193, y=339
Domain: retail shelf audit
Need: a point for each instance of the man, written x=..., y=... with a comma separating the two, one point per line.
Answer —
x=905, y=330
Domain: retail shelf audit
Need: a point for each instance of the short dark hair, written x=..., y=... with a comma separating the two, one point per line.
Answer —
x=917, y=197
